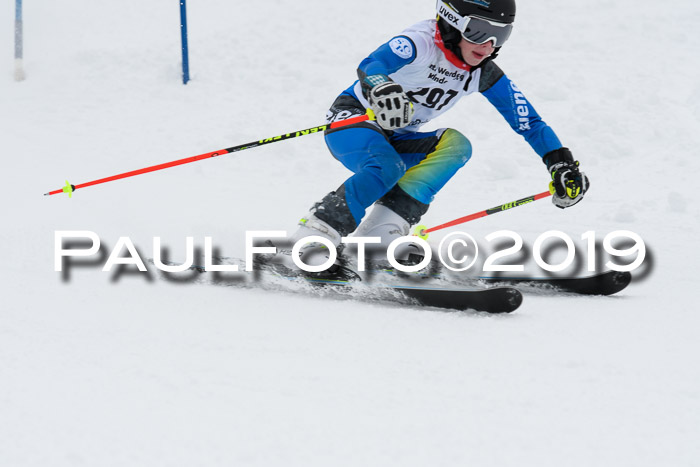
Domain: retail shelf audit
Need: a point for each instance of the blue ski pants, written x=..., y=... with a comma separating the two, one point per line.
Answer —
x=420, y=163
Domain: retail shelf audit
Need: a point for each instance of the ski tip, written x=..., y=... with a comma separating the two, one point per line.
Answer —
x=494, y=300
x=511, y=299
x=516, y=299
x=619, y=280
x=623, y=276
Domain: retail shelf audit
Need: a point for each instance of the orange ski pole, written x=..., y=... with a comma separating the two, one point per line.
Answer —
x=317, y=129
x=423, y=231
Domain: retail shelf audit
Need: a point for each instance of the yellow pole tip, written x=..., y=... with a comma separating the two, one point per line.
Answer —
x=419, y=231
x=68, y=189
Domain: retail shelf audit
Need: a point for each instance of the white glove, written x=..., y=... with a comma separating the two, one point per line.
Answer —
x=391, y=106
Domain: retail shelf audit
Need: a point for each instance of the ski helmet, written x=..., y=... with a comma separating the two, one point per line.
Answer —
x=459, y=19
x=501, y=11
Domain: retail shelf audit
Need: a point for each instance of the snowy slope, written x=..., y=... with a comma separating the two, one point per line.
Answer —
x=98, y=369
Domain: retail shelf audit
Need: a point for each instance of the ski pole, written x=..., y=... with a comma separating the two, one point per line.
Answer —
x=317, y=129
x=422, y=231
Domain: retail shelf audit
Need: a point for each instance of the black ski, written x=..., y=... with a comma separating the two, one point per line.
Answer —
x=493, y=300
x=604, y=283
x=346, y=282
x=490, y=300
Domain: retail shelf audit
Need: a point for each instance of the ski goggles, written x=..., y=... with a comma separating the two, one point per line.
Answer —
x=473, y=29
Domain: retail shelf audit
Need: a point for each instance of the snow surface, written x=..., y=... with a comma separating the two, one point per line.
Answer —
x=104, y=369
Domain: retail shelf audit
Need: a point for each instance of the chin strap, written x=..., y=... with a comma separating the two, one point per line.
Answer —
x=444, y=39
x=451, y=52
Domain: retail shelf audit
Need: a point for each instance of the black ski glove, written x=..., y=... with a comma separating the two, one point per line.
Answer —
x=568, y=182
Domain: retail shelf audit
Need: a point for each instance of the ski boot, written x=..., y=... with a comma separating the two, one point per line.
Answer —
x=386, y=224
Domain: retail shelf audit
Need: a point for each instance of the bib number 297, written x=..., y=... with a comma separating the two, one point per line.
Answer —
x=433, y=97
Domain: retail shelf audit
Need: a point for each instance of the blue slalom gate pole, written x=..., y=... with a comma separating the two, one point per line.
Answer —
x=19, y=66
x=183, y=33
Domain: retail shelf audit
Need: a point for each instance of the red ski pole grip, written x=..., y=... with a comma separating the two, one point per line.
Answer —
x=349, y=121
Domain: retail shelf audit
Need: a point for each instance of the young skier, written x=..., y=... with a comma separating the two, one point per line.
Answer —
x=406, y=83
